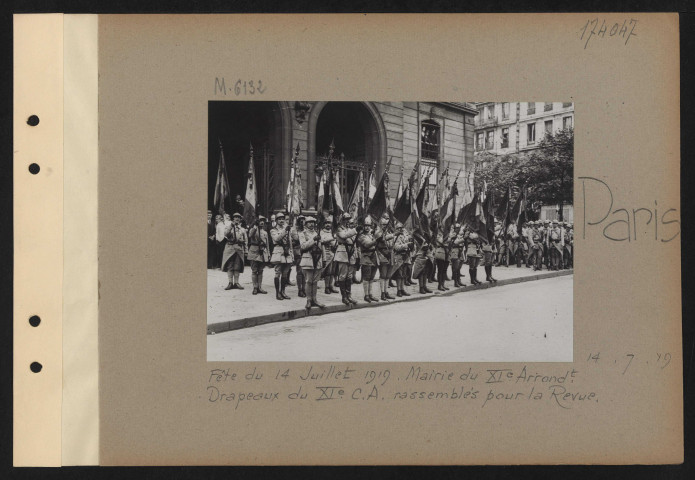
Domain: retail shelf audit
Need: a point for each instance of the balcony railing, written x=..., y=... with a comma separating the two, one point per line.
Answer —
x=548, y=106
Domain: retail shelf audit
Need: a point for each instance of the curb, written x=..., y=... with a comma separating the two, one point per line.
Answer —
x=293, y=314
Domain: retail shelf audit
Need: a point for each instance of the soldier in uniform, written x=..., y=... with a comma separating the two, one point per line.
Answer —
x=282, y=257
x=219, y=240
x=329, y=246
x=456, y=241
x=401, y=248
x=312, y=261
x=569, y=246
x=384, y=248
x=406, y=270
x=296, y=250
x=488, y=254
x=441, y=257
x=346, y=256
x=555, y=246
x=234, y=252
x=423, y=262
x=369, y=260
x=473, y=253
x=259, y=253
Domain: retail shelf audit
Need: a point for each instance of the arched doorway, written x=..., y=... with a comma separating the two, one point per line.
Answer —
x=356, y=131
x=238, y=126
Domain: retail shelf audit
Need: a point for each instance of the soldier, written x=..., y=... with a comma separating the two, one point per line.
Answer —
x=312, y=261
x=456, y=242
x=473, y=253
x=369, y=259
x=283, y=256
x=346, y=256
x=384, y=248
x=329, y=246
x=219, y=240
x=423, y=262
x=234, y=252
x=401, y=247
x=441, y=257
x=569, y=246
x=406, y=270
x=555, y=246
x=259, y=253
x=296, y=250
x=488, y=254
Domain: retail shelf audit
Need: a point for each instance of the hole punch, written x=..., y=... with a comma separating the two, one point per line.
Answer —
x=33, y=120
x=34, y=320
x=35, y=367
x=34, y=168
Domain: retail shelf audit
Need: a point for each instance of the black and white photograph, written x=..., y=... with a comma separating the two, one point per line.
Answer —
x=390, y=231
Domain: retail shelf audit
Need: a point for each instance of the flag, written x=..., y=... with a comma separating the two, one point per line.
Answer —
x=489, y=215
x=379, y=203
x=337, y=197
x=421, y=216
x=250, y=196
x=222, y=194
x=518, y=213
x=322, y=194
x=356, y=205
x=504, y=210
x=371, y=187
x=294, y=187
x=447, y=214
x=403, y=207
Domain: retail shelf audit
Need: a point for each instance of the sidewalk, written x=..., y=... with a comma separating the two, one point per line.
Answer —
x=235, y=309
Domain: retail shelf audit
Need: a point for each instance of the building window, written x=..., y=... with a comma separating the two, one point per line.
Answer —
x=480, y=146
x=489, y=140
x=566, y=104
x=548, y=127
x=567, y=123
x=429, y=140
x=505, y=110
x=505, y=138
x=490, y=112
x=531, y=133
x=531, y=108
x=548, y=106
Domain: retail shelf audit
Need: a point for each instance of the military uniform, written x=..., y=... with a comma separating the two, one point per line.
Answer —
x=555, y=246
x=456, y=241
x=282, y=257
x=296, y=250
x=423, y=262
x=473, y=253
x=234, y=252
x=311, y=261
x=384, y=250
x=369, y=259
x=329, y=266
x=258, y=255
x=345, y=258
x=441, y=258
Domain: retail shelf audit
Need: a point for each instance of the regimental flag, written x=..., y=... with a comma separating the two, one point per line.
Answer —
x=447, y=213
x=294, y=187
x=504, y=210
x=380, y=201
x=518, y=213
x=403, y=207
x=356, y=205
x=323, y=192
x=399, y=190
x=443, y=185
x=222, y=196
x=250, y=196
x=336, y=196
x=489, y=215
x=421, y=213
x=371, y=187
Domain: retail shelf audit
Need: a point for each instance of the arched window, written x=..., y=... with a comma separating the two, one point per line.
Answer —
x=430, y=140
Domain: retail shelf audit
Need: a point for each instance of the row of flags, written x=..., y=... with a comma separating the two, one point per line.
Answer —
x=415, y=203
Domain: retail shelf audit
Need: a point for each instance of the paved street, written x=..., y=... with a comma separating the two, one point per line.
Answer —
x=529, y=322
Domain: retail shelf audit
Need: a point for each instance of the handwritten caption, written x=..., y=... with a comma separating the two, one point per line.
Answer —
x=239, y=87
x=561, y=387
x=599, y=28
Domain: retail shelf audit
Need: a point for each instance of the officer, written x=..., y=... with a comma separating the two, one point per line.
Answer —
x=384, y=249
x=259, y=253
x=423, y=262
x=402, y=245
x=555, y=246
x=312, y=261
x=369, y=259
x=456, y=241
x=282, y=257
x=294, y=234
x=473, y=253
x=234, y=252
x=441, y=257
x=329, y=246
x=346, y=256
x=488, y=254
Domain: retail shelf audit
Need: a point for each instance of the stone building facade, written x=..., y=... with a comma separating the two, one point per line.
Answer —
x=355, y=135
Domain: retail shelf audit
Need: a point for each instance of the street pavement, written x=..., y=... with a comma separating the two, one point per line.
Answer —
x=224, y=305
x=529, y=322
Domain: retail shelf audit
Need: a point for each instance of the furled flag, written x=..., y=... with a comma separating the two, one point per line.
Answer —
x=489, y=215
x=448, y=208
x=403, y=207
x=250, y=196
x=322, y=194
x=222, y=194
x=504, y=209
x=294, y=204
x=518, y=213
x=356, y=205
x=380, y=201
x=421, y=214
x=371, y=187
x=336, y=195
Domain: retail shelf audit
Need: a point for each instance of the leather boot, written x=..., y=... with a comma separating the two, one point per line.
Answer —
x=491, y=277
x=383, y=296
x=278, y=296
x=308, y=301
x=330, y=286
x=387, y=295
x=365, y=287
x=391, y=284
x=260, y=284
x=287, y=280
x=343, y=292
x=254, y=280
x=349, y=292
x=230, y=286
x=421, y=281
x=401, y=284
x=369, y=290
x=283, y=284
x=327, y=280
x=314, y=302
